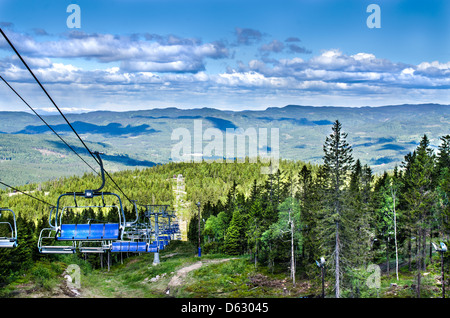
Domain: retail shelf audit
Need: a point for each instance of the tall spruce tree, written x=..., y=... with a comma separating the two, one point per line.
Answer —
x=359, y=202
x=338, y=163
x=443, y=184
x=235, y=234
x=306, y=197
x=420, y=198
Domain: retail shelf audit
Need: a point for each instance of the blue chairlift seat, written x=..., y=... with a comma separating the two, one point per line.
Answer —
x=8, y=242
x=164, y=239
x=87, y=232
x=154, y=248
x=132, y=247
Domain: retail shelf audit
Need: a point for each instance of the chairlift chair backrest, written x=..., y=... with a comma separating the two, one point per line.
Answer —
x=90, y=231
x=9, y=241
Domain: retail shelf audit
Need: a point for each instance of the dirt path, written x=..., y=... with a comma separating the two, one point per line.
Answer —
x=181, y=205
x=179, y=276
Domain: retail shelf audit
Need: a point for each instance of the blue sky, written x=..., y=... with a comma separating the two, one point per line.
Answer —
x=230, y=54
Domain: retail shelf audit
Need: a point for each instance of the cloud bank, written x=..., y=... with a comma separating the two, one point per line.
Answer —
x=175, y=69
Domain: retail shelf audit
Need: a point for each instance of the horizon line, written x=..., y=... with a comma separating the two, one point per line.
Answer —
x=83, y=111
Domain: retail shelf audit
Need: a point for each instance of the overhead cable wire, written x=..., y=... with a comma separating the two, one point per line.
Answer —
x=46, y=93
x=43, y=120
x=56, y=106
x=26, y=194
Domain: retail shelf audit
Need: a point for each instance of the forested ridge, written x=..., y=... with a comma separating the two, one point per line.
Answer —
x=288, y=220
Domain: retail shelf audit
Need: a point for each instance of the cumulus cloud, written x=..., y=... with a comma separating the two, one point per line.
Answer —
x=274, y=46
x=171, y=68
x=5, y=24
x=333, y=70
x=161, y=54
x=298, y=49
x=40, y=31
x=292, y=39
x=434, y=69
x=248, y=36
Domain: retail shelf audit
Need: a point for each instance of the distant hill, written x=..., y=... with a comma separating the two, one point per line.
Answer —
x=380, y=136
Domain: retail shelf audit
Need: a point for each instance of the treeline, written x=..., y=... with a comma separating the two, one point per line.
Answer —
x=147, y=186
x=339, y=211
x=287, y=220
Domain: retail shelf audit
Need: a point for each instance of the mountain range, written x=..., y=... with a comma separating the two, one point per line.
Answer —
x=380, y=136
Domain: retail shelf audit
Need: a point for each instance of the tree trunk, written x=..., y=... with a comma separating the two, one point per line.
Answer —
x=256, y=254
x=431, y=250
x=419, y=263
x=418, y=284
x=323, y=280
x=424, y=250
x=409, y=252
x=292, y=249
x=337, y=276
x=442, y=275
x=387, y=256
x=395, y=238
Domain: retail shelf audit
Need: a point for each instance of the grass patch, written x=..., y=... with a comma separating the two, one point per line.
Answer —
x=41, y=279
x=137, y=276
x=219, y=276
x=235, y=278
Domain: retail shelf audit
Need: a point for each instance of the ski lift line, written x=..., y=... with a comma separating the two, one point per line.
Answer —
x=46, y=93
x=26, y=194
x=117, y=187
x=43, y=120
x=56, y=106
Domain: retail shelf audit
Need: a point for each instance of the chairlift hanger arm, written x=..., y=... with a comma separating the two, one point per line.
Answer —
x=97, y=154
x=50, y=218
x=137, y=214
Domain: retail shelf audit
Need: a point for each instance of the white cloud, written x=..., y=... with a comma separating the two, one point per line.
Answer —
x=169, y=70
x=274, y=46
x=363, y=57
x=172, y=54
x=250, y=79
x=407, y=71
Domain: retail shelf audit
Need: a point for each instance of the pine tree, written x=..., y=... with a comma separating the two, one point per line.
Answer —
x=254, y=227
x=387, y=214
x=234, y=236
x=359, y=212
x=420, y=197
x=23, y=254
x=338, y=162
x=443, y=156
x=309, y=198
x=443, y=184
